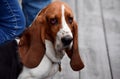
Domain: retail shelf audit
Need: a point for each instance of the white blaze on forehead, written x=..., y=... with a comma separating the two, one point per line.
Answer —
x=65, y=28
x=64, y=24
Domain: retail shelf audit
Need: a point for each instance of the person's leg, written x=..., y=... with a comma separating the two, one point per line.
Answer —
x=32, y=7
x=12, y=20
x=12, y=23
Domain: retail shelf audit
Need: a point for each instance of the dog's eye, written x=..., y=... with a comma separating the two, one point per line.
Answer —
x=70, y=19
x=53, y=21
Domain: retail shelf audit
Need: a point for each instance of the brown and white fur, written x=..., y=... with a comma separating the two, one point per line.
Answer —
x=43, y=45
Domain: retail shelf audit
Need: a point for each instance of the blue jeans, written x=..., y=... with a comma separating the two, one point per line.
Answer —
x=12, y=24
x=12, y=21
x=32, y=7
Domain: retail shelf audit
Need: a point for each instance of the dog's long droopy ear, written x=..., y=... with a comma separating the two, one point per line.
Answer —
x=31, y=46
x=75, y=62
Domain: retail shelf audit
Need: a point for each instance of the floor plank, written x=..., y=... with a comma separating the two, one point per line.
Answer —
x=111, y=16
x=92, y=41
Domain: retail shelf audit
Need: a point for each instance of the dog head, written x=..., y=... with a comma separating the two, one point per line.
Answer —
x=55, y=23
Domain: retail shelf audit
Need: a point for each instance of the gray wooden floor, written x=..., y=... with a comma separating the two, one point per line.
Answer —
x=99, y=40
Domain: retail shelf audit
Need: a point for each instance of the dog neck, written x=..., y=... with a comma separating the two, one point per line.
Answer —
x=54, y=56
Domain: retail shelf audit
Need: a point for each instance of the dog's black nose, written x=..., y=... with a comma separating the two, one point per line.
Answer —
x=66, y=40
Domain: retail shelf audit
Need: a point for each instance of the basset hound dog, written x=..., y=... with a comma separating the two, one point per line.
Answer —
x=52, y=34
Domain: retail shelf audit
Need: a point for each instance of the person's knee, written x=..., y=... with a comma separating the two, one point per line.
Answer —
x=20, y=24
